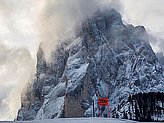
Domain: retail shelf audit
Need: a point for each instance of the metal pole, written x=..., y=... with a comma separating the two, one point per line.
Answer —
x=93, y=115
x=98, y=111
x=108, y=112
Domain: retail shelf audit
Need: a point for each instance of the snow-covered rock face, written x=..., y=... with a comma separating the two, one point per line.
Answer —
x=107, y=57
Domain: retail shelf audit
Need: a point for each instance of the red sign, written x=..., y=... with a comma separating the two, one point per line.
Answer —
x=103, y=101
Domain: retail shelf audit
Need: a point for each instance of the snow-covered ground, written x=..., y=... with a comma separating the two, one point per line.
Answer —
x=75, y=120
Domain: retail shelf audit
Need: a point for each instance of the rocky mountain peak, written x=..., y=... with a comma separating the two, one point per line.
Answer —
x=103, y=20
x=107, y=57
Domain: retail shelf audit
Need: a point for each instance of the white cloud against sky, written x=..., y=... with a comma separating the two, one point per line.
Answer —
x=148, y=13
x=20, y=36
x=18, y=41
x=145, y=12
x=17, y=23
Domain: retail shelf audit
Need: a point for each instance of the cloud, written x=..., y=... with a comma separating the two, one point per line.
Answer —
x=17, y=36
x=17, y=24
x=160, y=57
x=16, y=68
x=148, y=13
x=59, y=19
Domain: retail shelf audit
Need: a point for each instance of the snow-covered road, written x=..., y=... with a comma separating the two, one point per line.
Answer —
x=76, y=120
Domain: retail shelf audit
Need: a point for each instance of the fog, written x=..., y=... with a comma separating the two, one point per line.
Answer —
x=18, y=45
x=58, y=20
x=148, y=13
x=16, y=67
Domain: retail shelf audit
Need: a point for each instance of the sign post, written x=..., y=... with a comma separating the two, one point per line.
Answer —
x=93, y=115
x=102, y=102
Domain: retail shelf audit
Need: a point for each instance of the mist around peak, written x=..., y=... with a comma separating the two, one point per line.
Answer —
x=59, y=20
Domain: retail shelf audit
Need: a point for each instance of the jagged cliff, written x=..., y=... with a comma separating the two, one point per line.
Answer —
x=108, y=56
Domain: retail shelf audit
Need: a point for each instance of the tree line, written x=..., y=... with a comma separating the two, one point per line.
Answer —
x=143, y=107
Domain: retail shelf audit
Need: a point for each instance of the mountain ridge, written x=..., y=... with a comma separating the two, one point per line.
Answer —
x=107, y=56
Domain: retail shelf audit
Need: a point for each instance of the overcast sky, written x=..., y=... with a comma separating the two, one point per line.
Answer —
x=19, y=40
